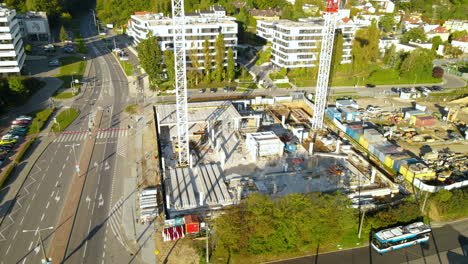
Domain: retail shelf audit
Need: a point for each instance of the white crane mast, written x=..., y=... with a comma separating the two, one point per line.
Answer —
x=178, y=22
x=326, y=51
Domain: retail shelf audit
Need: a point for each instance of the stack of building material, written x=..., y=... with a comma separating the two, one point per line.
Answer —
x=333, y=113
x=148, y=204
x=409, y=114
x=349, y=113
x=211, y=186
x=173, y=229
x=181, y=189
x=264, y=144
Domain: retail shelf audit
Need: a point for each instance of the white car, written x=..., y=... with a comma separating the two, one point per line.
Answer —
x=9, y=136
x=23, y=117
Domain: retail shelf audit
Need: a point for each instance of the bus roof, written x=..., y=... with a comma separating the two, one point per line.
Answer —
x=402, y=232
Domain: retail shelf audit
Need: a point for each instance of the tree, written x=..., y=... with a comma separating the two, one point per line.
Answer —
x=457, y=34
x=151, y=59
x=207, y=61
x=219, y=57
x=63, y=34
x=387, y=22
x=365, y=47
x=28, y=48
x=451, y=51
x=337, y=52
x=170, y=64
x=418, y=63
x=51, y=7
x=438, y=72
x=231, y=71
x=195, y=64
x=390, y=56
x=436, y=41
x=414, y=34
x=16, y=86
x=66, y=19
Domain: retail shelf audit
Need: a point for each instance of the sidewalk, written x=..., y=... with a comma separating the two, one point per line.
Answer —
x=138, y=235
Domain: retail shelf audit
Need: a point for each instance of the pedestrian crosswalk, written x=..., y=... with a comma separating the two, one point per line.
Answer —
x=81, y=135
x=115, y=219
x=122, y=148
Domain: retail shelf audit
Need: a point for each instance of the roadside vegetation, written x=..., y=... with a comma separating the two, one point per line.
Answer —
x=126, y=66
x=66, y=94
x=131, y=109
x=264, y=229
x=15, y=91
x=11, y=167
x=64, y=119
x=39, y=119
x=448, y=205
x=263, y=56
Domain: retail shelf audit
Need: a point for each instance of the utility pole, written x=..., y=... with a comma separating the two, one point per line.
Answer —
x=207, y=243
x=361, y=223
x=424, y=203
x=41, y=242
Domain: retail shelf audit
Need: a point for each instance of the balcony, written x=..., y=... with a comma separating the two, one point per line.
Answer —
x=11, y=53
x=4, y=36
x=5, y=29
x=7, y=47
x=9, y=69
x=8, y=63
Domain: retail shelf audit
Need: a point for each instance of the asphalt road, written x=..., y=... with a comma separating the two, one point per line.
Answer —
x=448, y=244
x=40, y=200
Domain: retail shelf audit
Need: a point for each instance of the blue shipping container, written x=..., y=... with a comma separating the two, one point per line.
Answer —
x=291, y=147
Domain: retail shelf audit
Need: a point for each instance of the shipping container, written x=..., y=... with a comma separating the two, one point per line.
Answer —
x=400, y=161
x=425, y=121
x=192, y=225
x=392, y=158
x=363, y=142
x=408, y=114
x=291, y=147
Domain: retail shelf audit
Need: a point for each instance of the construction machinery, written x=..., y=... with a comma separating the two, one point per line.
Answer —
x=178, y=22
x=325, y=63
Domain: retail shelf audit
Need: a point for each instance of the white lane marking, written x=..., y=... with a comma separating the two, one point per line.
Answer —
x=14, y=236
x=8, y=249
x=47, y=206
x=86, y=243
x=36, y=249
x=63, y=167
x=34, y=195
x=42, y=217
x=101, y=200
x=24, y=260
x=30, y=246
x=27, y=209
x=52, y=194
x=68, y=157
x=56, y=183
x=60, y=175
x=22, y=219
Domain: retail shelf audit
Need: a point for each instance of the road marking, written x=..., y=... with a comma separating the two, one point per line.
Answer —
x=47, y=205
x=68, y=157
x=52, y=194
x=27, y=209
x=63, y=167
x=14, y=236
x=86, y=243
x=8, y=249
x=101, y=200
x=42, y=217
x=30, y=246
x=36, y=249
x=24, y=260
x=21, y=222
x=34, y=195
x=60, y=175
x=56, y=183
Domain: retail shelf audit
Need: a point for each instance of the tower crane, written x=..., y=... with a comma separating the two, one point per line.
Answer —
x=178, y=22
x=326, y=51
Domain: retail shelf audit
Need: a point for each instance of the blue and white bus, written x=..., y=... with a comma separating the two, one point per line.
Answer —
x=400, y=237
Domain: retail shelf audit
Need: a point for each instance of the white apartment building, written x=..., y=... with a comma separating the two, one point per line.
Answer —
x=295, y=44
x=206, y=24
x=12, y=54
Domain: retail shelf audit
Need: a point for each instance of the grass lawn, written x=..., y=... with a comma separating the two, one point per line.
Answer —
x=247, y=85
x=40, y=118
x=131, y=109
x=264, y=57
x=64, y=119
x=203, y=85
x=455, y=92
x=127, y=66
x=72, y=67
x=277, y=76
x=68, y=93
x=283, y=85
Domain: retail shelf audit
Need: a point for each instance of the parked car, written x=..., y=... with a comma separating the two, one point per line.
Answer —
x=17, y=122
x=213, y=90
x=23, y=117
x=437, y=88
x=19, y=126
x=201, y=90
x=226, y=89
x=9, y=136
x=370, y=85
x=8, y=141
x=54, y=62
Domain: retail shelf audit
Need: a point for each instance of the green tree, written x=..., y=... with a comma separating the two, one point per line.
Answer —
x=63, y=34
x=337, y=51
x=51, y=7
x=66, y=19
x=414, y=34
x=231, y=71
x=390, y=56
x=457, y=34
x=16, y=86
x=387, y=22
x=418, y=63
x=436, y=42
x=207, y=61
x=365, y=47
x=451, y=51
x=194, y=63
x=169, y=62
x=219, y=57
x=151, y=59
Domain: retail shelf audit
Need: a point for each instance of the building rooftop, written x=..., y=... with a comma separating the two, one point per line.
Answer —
x=462, y=39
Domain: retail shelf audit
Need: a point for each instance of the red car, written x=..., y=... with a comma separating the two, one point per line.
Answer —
x=17, y=122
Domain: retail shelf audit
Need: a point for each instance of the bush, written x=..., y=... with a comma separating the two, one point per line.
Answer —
x=40, y=118
x=20, y=155
x=131, y=109
x=28, y=48
x=7, y=173
x=437, y=72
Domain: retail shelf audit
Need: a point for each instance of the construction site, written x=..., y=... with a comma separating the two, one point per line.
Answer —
x=259, y=145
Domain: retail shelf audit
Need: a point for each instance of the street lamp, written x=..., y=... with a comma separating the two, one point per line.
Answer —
x=76, y=82
x=46, y=259
x=77, y=166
